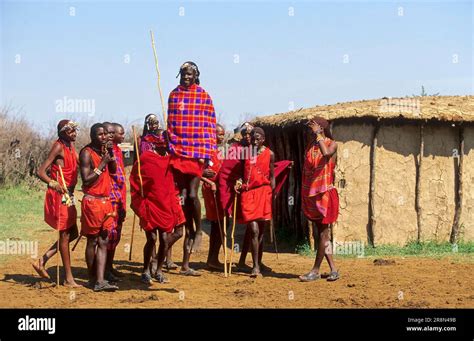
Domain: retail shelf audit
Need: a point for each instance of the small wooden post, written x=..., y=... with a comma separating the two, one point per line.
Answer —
x=457, y=215
x=418, y=185
x=372, y=220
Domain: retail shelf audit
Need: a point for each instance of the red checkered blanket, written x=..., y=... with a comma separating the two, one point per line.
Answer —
x=191, y=122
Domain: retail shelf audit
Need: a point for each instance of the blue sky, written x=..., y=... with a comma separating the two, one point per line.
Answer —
x=327, y=52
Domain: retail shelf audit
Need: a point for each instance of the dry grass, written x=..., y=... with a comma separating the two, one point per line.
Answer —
x=23, y=149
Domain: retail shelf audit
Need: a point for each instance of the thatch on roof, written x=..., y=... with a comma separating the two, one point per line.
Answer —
x=427, y=108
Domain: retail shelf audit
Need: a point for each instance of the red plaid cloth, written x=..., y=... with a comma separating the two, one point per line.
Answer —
x=319, y=197
x=191, y=122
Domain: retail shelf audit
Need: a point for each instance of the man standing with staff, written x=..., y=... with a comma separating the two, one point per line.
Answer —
x=61, y=183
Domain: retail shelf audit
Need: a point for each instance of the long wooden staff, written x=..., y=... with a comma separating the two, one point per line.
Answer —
x=137, y=152
x=220, y=232
x=59, y=236
x=234, y=216
x=225, y=244
x=158, y=77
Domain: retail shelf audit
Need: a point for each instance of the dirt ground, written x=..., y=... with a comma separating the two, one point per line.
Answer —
x=412, y=282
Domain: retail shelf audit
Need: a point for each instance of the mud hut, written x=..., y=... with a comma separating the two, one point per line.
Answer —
x=405, y=168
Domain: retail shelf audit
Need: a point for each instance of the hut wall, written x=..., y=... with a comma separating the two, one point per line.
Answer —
x=353, y=168
x=467, y=217
x=395, y=180
x=438, y=182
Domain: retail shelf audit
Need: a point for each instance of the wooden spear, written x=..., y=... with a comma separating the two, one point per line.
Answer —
x=137, y=152
x=59, y=236
x=232, y=234
x=158, y=78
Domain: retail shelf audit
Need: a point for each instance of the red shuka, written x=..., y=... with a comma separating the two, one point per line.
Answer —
x=211, y=210
x=160, y=205
x=58, y=215
x=319, y=198
x=256, y=196
x=96, y=203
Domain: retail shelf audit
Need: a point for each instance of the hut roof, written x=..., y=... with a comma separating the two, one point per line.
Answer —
x=433, y=108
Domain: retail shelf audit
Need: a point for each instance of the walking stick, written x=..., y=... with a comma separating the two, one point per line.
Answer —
x=234, y=216
x=137, y=152
x=158, y=77
x=131, y=242
x=272, y=226
x=59, y=236
x=77, y=242
x=225, y=245
x=220, y=232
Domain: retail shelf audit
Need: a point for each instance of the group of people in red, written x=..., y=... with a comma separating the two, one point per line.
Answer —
x=170, y=166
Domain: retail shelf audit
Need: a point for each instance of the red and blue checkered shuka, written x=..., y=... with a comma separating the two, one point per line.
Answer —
x=191, y=122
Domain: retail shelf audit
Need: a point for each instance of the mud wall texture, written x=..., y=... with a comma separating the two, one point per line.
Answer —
x=467, y=216
x=395, y=183
x=352, y=181
x=438, y=182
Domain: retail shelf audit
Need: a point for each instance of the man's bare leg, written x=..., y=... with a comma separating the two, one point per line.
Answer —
x=322, y=252
x=167, y=239
x=40, y=267
x=66, y=258
x=101, y=256
x=148, y=255
x=195, y=203
x=255, y=242
x=215, y=244
x=90, y=257
x=245, y=249
x=169, y=264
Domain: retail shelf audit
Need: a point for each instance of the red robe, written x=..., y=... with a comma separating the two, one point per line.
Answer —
x=96, y=203
x=319, y=198
x=256, y=195
x=209, y=202
x=56, y=214
x=160, y=205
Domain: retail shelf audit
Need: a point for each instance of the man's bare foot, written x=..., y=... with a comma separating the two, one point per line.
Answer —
x=39, y=268
x=71, y=284
x=196, y=246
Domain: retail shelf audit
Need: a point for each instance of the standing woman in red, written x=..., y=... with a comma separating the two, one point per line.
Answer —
x=319, y=197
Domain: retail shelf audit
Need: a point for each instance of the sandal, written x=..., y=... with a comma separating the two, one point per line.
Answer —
x=160, y=278
x=104, y=286
x=170, y=265
x=309, y=277
x=333, y=276
x=255, y=274
x=146, y=278
x=190, y=272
